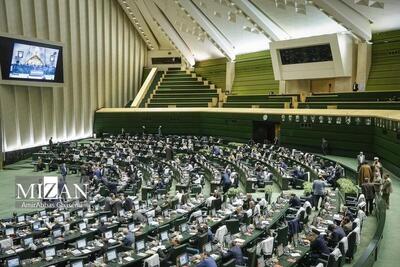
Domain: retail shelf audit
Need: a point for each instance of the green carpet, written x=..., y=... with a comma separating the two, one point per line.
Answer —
x=7, y=185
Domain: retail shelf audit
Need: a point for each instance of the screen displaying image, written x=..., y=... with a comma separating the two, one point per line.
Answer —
x=33, y=62
x=30, y=61
x=50, y=252
x=81, y=243
x=111, y=255
x=13, y=262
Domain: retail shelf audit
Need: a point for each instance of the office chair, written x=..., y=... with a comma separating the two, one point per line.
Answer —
x=352, y=248
x=331, y=261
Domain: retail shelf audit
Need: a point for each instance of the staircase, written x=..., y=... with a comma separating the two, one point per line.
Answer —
x=183, y=88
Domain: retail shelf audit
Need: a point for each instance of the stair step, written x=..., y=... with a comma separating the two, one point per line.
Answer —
x=177, y=74
x=180, y=100
x=185, y=95
x=183, y=86
x=184, y=79
x=160, y=105
x=182, y=83
x=184, y=91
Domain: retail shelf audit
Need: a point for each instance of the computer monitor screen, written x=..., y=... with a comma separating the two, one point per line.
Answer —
x=81, y=243
x=43, y=213
x=60, y=218
x=9, y=231
x=13, y=262
x=151, y=213
x=57, y=233
x=21, y=218
x=78, y=263
x=140, y=245
x=67, y=215
x=79, y=213
x=28, y=241
x=183, y=227
x=103, y=218
x=164, y=236
x=111, y=254
x=108, y=234
x=131, y=227
x=67, y=227
x=207, y=247
x=82, y=226
x=36, y=225
x=183, y=259
x=49, y=252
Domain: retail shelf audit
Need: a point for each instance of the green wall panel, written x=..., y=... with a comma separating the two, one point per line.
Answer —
x=254, y=74
x=213, y=70
x=345, y=140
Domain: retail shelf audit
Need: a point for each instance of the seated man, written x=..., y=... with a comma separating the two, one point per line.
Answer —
x=347, y=225
x=294, y=201
x=336, y=234
x=235, y=252
x=206, y=261
x=318, y=247
x=129, y=238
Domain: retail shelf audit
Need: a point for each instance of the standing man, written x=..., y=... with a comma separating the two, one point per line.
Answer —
x=324, y=146
x=169, y=153
x=365, y=171
x=360, y=159
x=368, y=189
x=319, y=191
x=386, y=189
x=377, y=167
x=64, y=172
x=51, y=143
x=159, y=131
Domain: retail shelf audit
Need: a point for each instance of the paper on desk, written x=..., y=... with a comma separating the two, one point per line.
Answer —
x=128, y=259
x=295, y=254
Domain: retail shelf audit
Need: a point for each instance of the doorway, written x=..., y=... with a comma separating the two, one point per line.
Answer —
x=265, y=131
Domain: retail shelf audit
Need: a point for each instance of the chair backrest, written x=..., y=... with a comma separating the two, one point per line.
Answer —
x=343, y=258
x=351, y=238
x=230, y=263
x=302, y=215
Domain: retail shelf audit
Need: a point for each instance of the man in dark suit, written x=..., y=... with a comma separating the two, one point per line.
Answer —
x=207, y=261
x=235, y=252
x=318, y=247
x=127, y=203
x=225, y=181
x=368, y=189
x=129, y=238
x=336, y=234
x=294, y=201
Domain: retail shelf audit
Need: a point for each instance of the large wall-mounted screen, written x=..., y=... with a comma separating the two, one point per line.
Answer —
x=308, y=54
x=23, y=60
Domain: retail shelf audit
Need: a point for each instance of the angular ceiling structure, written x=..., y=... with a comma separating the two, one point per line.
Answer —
x=205, y=29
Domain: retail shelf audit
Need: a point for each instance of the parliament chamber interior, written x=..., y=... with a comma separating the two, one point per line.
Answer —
x=230, y=133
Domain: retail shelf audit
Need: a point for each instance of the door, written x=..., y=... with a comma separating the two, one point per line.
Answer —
x=264, y=131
